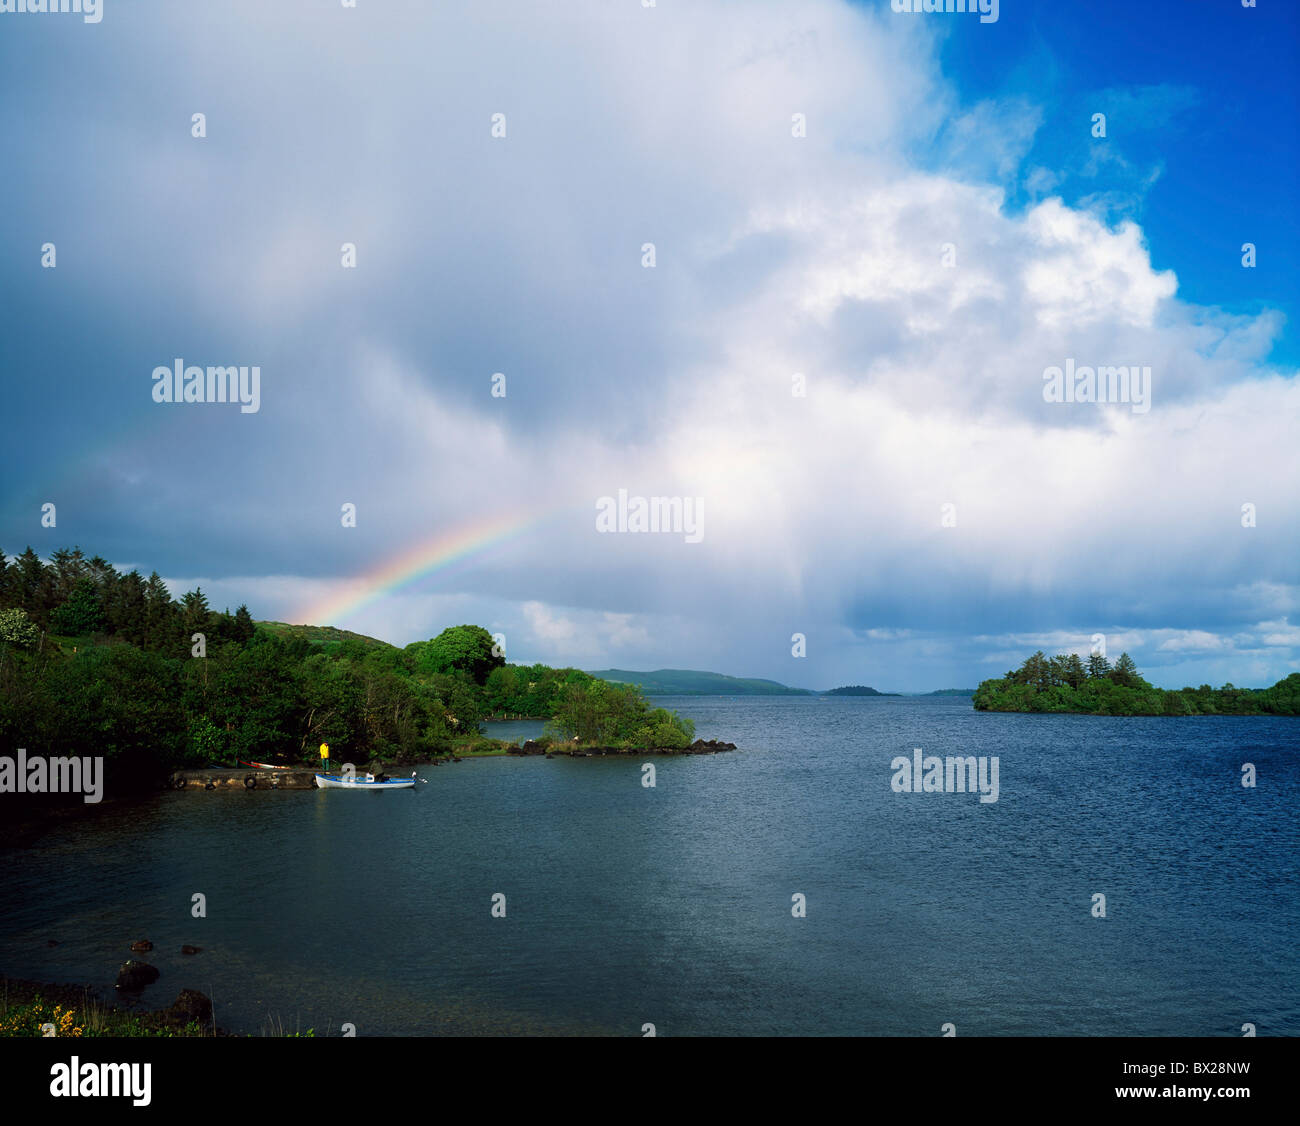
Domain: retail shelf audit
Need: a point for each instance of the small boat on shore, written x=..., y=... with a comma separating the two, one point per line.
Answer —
x=263, y=765
x=363, y=782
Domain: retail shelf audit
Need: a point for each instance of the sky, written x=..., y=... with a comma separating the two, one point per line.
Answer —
x=804, y=270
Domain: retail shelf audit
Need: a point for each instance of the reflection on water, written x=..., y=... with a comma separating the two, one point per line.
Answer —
x=516, y=730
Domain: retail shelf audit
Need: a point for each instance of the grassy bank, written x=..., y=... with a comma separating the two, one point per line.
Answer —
x=28, y=1007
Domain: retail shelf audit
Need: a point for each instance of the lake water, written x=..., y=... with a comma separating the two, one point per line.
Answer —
x=628, y=905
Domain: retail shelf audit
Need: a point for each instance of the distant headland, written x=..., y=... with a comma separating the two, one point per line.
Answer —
x=690, y=682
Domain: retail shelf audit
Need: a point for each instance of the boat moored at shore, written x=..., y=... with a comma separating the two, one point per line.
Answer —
x=363, y=782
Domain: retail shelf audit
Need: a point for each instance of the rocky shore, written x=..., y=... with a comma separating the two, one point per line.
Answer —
x=189, y=1015
x=552, y=750
x=250, y=778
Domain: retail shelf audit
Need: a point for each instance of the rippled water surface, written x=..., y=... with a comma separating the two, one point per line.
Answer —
x=672, y=905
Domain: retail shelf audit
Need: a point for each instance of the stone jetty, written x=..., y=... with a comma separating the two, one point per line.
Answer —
x=243, y=778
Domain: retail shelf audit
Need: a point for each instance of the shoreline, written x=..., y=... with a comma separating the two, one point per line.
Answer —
x=190, y=1015
x=27, y=821
x=303, y=778
x=554, y=750
x=1138, y=715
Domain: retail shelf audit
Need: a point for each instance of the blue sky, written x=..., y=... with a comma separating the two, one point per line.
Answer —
x=934, y=232
x=1203, y=100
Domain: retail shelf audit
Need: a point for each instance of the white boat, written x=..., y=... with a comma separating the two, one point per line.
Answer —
x=362, y=782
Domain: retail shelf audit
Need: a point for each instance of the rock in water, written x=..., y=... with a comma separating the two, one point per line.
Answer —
x=709, y=747
x=135, y=975
x=143, y=946
x=191, y=1005
x=187, y=949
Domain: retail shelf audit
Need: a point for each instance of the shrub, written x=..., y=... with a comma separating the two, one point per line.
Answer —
x=17, y=629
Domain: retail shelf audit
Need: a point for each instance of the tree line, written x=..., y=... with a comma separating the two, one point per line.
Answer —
x=1066, y=683
x=72, y=596
x=97, y=662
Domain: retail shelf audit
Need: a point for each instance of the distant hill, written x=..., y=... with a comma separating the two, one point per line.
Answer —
x=688, y=682
x=319, y=635
x=951, y=692
x=857, y=690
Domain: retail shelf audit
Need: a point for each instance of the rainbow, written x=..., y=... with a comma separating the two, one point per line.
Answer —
x=415, y=563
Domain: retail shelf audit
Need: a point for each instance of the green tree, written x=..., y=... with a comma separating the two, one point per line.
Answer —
x=162, y=618
x=256, y=698
x=1075, y=674
x=31, y=587
x=102, y=571
x=333, y=708
x=206, y=742
x=1125, y=673
x=581, y=713
x=119, y=702
x=467, y=649
x=1037, y=670
x=1098, y=666
x=597, y=712
x=1056, y=670
x=67, y=569
x=124, y=608
x=82, y=613
x=459, y=701
x=244, y=627
x=195, y=613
